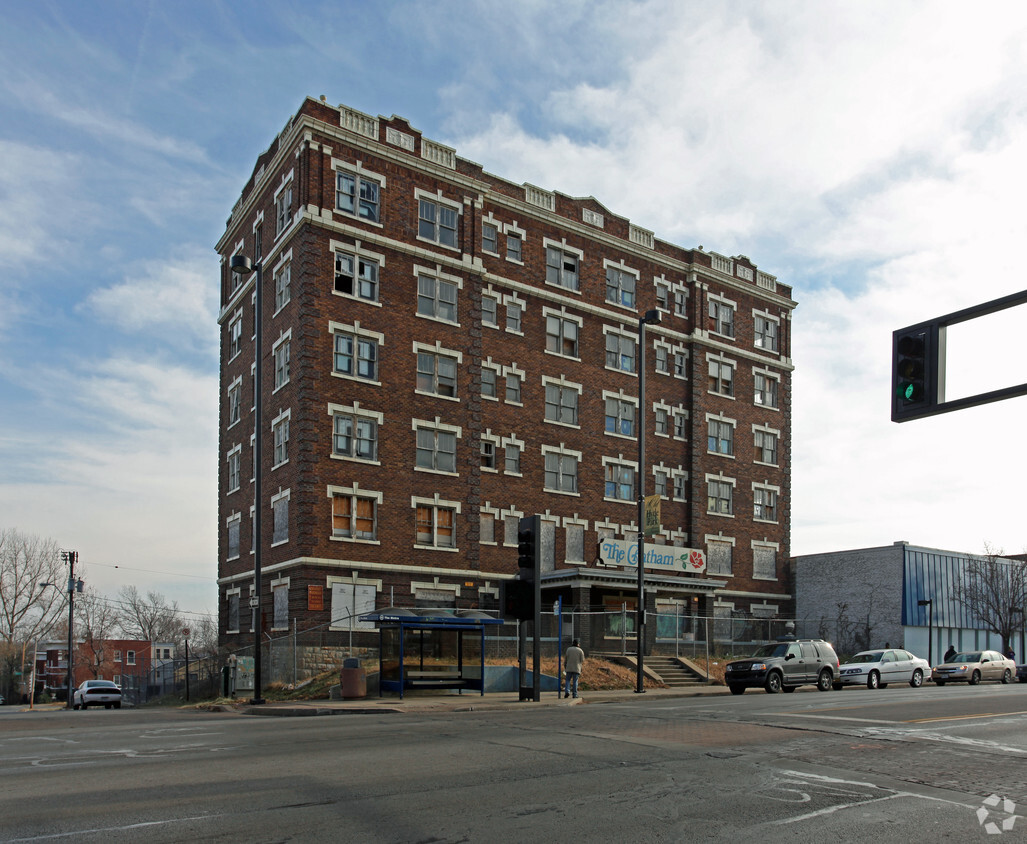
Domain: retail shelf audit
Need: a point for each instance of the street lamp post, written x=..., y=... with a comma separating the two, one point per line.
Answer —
x=649, y=318
x=929, y=603
x=70, y=557
x=243, y=266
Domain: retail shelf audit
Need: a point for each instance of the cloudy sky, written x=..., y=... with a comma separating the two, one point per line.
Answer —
x=872, y=155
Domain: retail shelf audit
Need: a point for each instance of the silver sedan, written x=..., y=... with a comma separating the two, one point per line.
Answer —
x=876, y=669
x=973, y=666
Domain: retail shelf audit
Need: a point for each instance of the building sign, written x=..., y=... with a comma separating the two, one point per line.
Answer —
x=624, y=552
x=315, y=598
x=652, y=514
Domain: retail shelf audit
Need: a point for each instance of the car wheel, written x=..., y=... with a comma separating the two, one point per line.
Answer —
x=975, y=678
x=939, y=682
x=737, y=690
x=825, y=681
x=1006, y=676
x=874, y=680
x=773, y=683
x=788, y=689
x=74, y=706
x=918, y=679
x=106, y=706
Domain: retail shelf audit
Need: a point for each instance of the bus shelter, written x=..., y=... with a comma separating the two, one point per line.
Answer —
x=431, y=649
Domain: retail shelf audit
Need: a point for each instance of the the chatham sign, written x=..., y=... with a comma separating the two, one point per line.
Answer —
x=624, y=552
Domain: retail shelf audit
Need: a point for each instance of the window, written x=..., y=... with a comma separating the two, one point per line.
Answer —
x=233, y=611
x=130, y=657
x=575, y=543
x=283, y=209
x=680, y=364
x=513, y=316
x=680, y=303
x=764, y=562
x=720, y=439
x=358, y=195
x=489, y=238
x=117, y=656
x=620, y=352
x=719, y=494
x=766, y=446
x=662, y=296
x=232, y=537
x=722, y=377
x=489, y=381
x=354, y=436
x=235, y=337
x=488, y=454
x=356, y=276
x=660, y=482
x=661, y=421
x=561, y=267
x=437, y=222
x=764, y=501
x=562, y=403
x=722, y=318
x=663, y=360
x=436, y=450
x=280, y=431
x=234, y=461
x=620, y=481
x=280, y=607
x=620, y=287
x=512, y=453
x=620, y=417
x=718, y=557
x=561, y=472
x=487, y=528
x=435, y=526
x=234, y=402
x=489, y=311
x=436, y=298
x=354, y=516
x=281, y=358
x=765, y=389
x=283, y=282
x=766, y=332
x=355, y=356
x=562, y=336
x=280, y=514
x=436, y=373
x=513, y=387
x=680, y=487
x=680, y=424
x=513, y=246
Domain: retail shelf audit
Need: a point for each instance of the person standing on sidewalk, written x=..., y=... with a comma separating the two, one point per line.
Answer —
x=574, y=659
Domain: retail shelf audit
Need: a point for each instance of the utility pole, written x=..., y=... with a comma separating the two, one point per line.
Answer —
x=70, y=557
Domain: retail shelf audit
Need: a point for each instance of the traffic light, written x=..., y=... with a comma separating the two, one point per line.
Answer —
x=517, y=598
x=914, y=372
x=529, y=557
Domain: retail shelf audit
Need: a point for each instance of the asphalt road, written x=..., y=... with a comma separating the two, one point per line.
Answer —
x=916, y=764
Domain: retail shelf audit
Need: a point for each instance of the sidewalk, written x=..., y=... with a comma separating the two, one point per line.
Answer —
x=466, y=702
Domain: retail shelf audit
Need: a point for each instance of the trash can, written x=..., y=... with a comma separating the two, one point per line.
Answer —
x=353, y=679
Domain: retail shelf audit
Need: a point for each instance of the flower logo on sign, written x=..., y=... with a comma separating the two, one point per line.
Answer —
x=695, y=560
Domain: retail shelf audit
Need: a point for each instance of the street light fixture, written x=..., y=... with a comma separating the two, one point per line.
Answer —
x=242, y=265
x=649, y=318
x=929, y=603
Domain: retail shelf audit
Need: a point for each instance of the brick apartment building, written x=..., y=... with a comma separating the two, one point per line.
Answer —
x=446, y=351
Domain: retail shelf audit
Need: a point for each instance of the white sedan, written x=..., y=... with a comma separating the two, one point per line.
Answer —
x=876, y=669
x=97, y=693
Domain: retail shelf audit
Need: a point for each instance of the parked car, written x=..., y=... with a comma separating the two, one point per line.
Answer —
x=96, y=692
x=1021, y=673
x=784, y=666
x=973, y=666
x=876, y=669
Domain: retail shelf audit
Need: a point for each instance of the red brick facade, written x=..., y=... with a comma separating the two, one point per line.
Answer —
x=449, y=353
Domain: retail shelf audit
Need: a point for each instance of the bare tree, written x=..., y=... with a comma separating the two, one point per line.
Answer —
x=995, y=592
x=151, y=618
x=96, y=620
x=28, y=610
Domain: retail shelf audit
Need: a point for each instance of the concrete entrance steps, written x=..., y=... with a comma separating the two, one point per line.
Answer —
x=674, y=672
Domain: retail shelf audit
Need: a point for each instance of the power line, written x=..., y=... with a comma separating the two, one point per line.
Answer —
x=150, y=571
